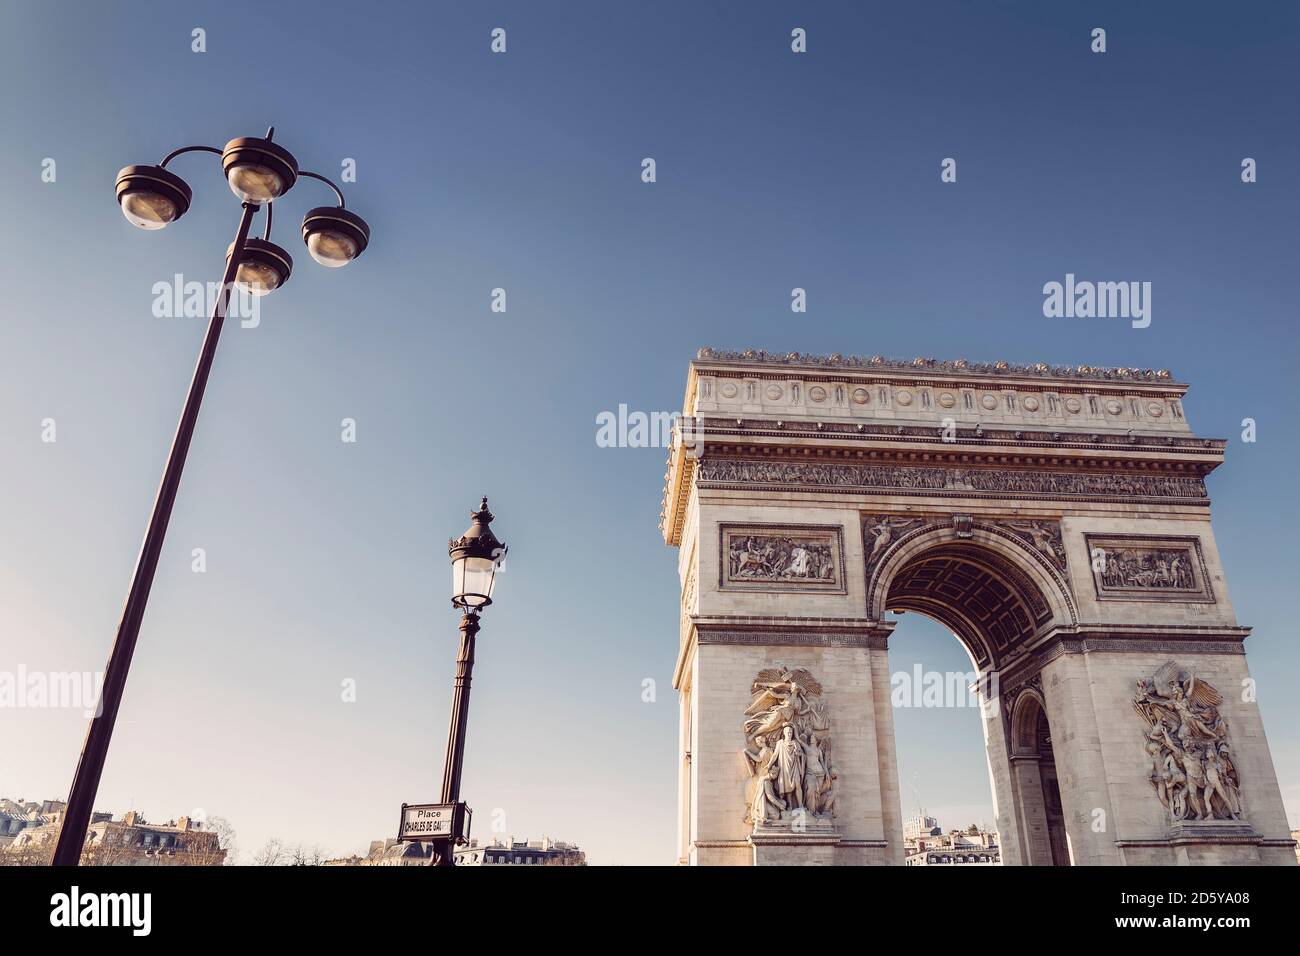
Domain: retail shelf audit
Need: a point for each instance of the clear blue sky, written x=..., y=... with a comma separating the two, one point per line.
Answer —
x=327, y=561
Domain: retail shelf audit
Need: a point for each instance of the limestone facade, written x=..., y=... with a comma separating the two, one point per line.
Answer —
x=1055, y=519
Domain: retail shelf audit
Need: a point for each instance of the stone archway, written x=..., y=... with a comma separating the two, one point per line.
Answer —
x=996, y=595
x=990, y=588
x=1034, y=823
x=1055, y=519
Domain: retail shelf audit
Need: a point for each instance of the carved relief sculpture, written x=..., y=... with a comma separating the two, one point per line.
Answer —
x=1149, y=569
x=1188, y=755
x=1146, y=568
x=1045, y=536
x=883, y=531
x=791, y=778
x=781, y=558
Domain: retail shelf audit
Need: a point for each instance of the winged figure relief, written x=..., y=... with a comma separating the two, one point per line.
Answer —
x=1046, y=539
x=884, y=531
x=789, y=753
x=780, y=697
x=1189, y=757
x=1189, y=706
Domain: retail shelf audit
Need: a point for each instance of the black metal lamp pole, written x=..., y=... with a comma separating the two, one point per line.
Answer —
x=90, y=767
x=151, y=197
x=475, y=558
x=455, y=756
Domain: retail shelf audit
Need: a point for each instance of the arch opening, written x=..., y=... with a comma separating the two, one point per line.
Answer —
x=996, y=603
x=993, y=606
x=1035, y=788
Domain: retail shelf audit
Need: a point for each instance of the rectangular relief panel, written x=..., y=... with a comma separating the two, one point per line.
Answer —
x=1132, y=567
x=781, y=557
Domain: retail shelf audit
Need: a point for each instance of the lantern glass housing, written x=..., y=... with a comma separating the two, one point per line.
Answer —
x=148, y=210
x=334, y=236
x=257, y=278
x=475, y=558
x=472, y=580
x=151, y=197
x=255, y=184
x=263, y=268
x=331, y=249
x=258, y=170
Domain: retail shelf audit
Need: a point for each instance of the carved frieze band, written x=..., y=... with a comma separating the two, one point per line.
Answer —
x=1091, y=645
x=793, y=639
x=1141, y=568
x=968, y=482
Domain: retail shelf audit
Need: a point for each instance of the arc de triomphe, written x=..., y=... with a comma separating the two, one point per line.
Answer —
x=1055, y=520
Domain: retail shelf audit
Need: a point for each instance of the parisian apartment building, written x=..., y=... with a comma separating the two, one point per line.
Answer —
x=507, y=852
x=28, y=830
x=925, y=843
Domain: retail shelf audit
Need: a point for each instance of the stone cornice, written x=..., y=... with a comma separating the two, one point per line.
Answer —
x=1220, y=632
x=863, y=408
x=1171, y=639
x=713, y=428
x=677, y=492
x=792, y=639
x=929, y=367
x=780, y=630
x=759, y=623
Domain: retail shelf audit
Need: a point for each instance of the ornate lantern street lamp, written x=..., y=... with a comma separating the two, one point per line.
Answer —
x=475, y=558
x=259, y=172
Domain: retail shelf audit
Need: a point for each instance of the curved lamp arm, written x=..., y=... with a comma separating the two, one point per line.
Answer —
x=266, y=231
x=328, y=182
x=187, y=149
x=302, y=173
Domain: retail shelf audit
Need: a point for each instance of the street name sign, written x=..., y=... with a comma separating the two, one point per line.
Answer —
x=422, y=822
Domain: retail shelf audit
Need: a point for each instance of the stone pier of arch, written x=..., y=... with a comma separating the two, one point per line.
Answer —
x=1056, y=520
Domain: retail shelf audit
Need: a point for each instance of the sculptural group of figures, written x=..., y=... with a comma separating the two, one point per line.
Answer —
x=1136, y=568
x=1190, y=761
x=778, y=558
x=789, y=752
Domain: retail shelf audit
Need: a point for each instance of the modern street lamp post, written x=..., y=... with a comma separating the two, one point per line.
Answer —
x=475, y=557
x=259, y=171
